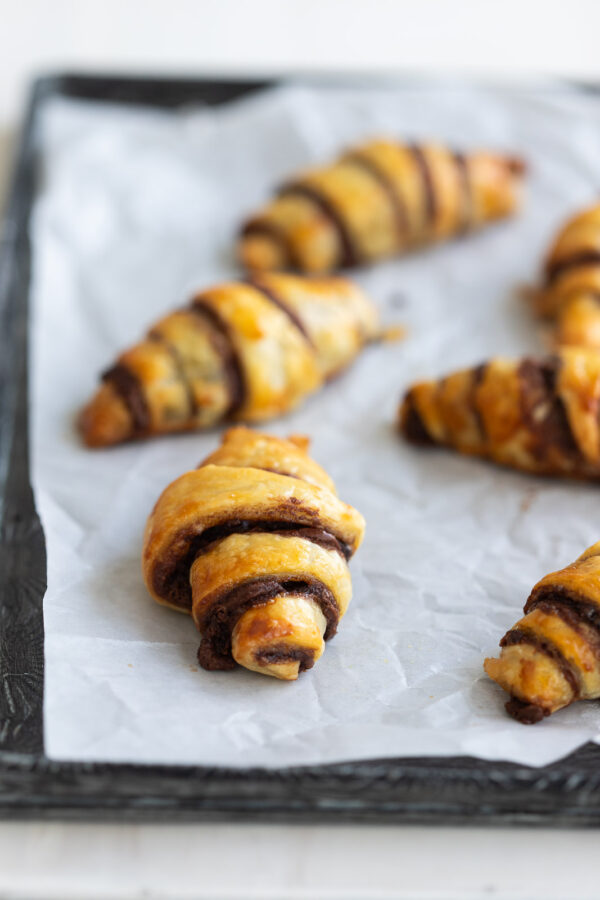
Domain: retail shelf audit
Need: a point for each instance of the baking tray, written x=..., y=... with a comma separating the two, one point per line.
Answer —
x=426, y=790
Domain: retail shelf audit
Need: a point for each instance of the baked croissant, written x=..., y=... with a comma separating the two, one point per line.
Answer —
x=255, y=544
x=540, y=416
x=376, y=201
x=570, y=295
x=552, y=656
x=246, y=350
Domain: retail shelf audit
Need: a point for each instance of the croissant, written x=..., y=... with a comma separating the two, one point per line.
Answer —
x=552, y=655
x=570, y=295
x=376, y=201
x=255, y=544
x=245, y=350
x=540, y=416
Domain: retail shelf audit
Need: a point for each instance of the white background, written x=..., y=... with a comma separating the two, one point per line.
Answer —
x=507, y=38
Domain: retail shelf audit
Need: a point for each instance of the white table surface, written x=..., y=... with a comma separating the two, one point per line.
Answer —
x=507, y=39
x=70, y=862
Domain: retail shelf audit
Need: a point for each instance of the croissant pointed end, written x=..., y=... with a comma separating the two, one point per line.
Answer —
x=492, y=667
x=105, y=420
x=261, y=251
x=410, y=423
x=516, y=165
x=536, y=685
x=301, y=441
x=281, y=639
x=524, y=712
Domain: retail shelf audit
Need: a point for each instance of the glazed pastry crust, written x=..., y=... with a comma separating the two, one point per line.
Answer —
x=246, y=351
x=278, y=365
x=258, y=557
x=336, y=316
x=570, y=293
x=251, y=449
x=551, y=657
x=376, y=201
x=540, y=416
x=213, y=495
x=244, y=557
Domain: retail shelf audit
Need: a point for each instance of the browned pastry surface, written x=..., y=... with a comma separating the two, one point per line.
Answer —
x=255, y=545
x=540, y=416
x=378, y=200
x=570, y=292
x=551, y=657
x=246, y=350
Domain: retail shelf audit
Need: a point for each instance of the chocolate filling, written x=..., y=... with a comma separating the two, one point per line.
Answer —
x=395, y=200
x=567, y=669
x=130, y=390
x=478, y=376
x=542, y=408
x=223, y=345
x=170, y=578
x=583, y=258
x=349, y=256
x=462, y=167
x=220, y=620
x=426, y=177
x=412, y=425
x=283, y=653
x=315, y=535
x=274, y=298
x=525, y=713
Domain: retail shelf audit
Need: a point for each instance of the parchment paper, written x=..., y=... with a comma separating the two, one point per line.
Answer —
x=136, y=209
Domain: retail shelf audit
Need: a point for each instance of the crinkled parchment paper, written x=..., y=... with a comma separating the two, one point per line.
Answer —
x=137, y=208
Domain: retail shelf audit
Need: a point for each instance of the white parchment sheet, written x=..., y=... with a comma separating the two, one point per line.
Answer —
x=136, y=209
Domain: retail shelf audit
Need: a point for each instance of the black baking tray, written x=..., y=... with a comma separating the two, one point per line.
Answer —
x=426, y=790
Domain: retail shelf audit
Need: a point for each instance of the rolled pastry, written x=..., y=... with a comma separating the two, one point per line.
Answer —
x=246, y=350
x=540, y=416
x=255, y=545
x=552, y=655
x=378, y=200
x=570, y=294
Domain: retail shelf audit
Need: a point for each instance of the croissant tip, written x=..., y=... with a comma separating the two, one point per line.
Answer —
x=410, y=424
x=104, y=421
x=517, y=165
x=260, y=252
x=301, y=441
x=85, y=425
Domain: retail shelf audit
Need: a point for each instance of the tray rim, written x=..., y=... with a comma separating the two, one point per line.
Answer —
x=405, y=790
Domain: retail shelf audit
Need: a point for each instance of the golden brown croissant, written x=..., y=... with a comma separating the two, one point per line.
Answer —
x=246, y=350
x=552, y=656
x=540, y=416
x=255, y=544
x=571, y=292
x=376, y=201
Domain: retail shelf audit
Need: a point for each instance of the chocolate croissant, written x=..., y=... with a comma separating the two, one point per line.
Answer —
x=255, y=544
x=552, y=655
x=540, y=416
x=376, y=201
x=246, y=350
x=570, y=294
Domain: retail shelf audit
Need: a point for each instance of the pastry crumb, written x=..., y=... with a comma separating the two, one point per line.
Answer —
x=393, y=333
